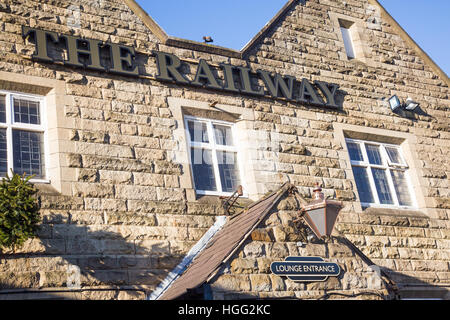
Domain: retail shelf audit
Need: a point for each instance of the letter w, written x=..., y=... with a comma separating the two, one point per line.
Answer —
x=277, y=84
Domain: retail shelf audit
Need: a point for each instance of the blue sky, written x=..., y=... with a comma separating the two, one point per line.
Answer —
x=233, y=23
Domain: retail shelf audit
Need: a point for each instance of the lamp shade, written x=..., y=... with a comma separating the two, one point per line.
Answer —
x=321, y=214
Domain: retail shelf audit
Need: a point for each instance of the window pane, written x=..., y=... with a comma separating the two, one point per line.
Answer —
x=394, y=155
x=401, y=187
x=381, y=183
x=203, y=170
x=2, y=108
x=348, y=43
x=198, y=131
x=3, y=153
x=28, y=153
x=229, y=171
x=354, y=150
x=373, y=153
x=363, y=184
x=223, y=135
x=26, y=111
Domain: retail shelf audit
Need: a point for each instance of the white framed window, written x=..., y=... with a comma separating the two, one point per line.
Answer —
x=381, y=174
x=23, y=135
x=213, y=156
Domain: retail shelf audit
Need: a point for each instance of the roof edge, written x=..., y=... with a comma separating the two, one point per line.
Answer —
x=203, y=47
x=208, y=48
x=147, y=20
x=268, y=25
x=410, y=41
x=187, y=260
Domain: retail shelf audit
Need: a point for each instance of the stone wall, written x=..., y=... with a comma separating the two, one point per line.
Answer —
x=280, y=235
x=122, y=214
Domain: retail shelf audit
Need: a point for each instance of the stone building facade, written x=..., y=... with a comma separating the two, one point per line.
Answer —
x=103, y=116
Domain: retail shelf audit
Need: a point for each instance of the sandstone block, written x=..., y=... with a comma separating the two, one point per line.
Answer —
x=254, y=249
x=260, y=282
x=231, y=283
x=92, y=190
x=115, y=177
x=260, y=235
x=132, y=192
x=244, y=266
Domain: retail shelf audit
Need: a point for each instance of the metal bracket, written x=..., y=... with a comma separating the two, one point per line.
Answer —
x=231, y=200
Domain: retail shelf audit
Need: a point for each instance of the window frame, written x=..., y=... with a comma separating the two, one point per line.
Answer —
x=11, y=125
x=213, y=147
x=386, y=165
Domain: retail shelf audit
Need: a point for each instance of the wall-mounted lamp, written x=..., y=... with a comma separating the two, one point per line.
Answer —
x=394, y=103
x=321, y=214
x=410, y=104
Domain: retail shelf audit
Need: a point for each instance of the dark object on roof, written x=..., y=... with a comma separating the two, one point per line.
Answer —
x=223, y=245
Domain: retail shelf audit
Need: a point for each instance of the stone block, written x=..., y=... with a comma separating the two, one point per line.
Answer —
x=115, y=177
x=231, y=283
x=254, y=249
x=85, y=246
x=170, y=195
x=135, y=262
x=377, y=241
x=92, y=190
x=260, y=282
x=152, y=247
x=244, y=266
x=260, y=235
x=337, y=250
x=409, y=232
x=14, y=280
x=277, y=283
x=276, y=250
x=132, y=192
x=264, y=264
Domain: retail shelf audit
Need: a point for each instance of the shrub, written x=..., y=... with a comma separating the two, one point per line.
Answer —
x=19, y=211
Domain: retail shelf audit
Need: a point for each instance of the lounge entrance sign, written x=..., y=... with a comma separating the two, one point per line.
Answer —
x=305, y=269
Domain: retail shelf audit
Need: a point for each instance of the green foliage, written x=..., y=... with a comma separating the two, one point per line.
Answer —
x=19, y=211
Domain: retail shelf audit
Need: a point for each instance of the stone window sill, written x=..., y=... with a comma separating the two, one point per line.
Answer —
x=395, y=212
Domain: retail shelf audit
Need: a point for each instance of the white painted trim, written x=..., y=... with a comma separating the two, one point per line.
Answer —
x=388, y=166
x=214, y=147
x=10, y=125
x=190, y=256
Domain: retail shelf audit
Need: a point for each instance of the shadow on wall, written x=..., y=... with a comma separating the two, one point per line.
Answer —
x=70, y=261
x=415, y=288
x=363, y=282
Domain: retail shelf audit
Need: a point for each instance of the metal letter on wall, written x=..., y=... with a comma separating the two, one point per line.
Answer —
x=40, y=39
x=88, y=48
x=278, y=84
x=329, y=90
x=204, y=72
x=308, y=94
x=123, y=59
x=229, y=84
x=247, y=83
x=168, y=65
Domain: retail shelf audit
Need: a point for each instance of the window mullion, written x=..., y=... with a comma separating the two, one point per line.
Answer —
x=370, y=174
x=392, y=187
x=389, y=175
x=212, y=142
